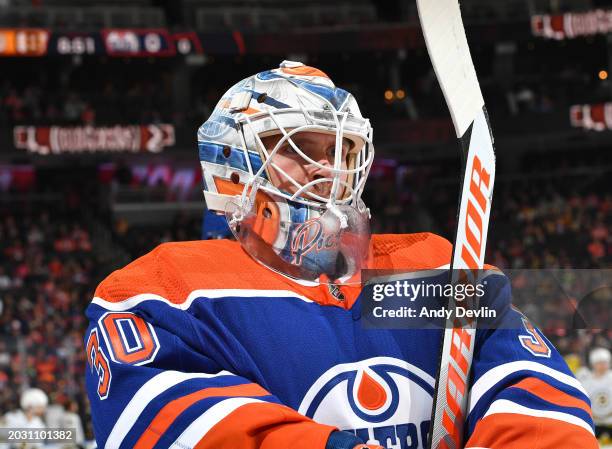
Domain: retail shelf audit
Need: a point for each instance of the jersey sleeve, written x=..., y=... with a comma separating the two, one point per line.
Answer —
x=523, y=394
x=152, y=384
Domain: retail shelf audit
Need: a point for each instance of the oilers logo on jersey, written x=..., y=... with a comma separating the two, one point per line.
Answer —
x=381, y=398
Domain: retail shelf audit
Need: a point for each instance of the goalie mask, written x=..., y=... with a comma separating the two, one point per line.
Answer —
x=285, y=156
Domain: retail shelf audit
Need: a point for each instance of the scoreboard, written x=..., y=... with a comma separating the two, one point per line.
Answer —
x=163, y=43
x=23, y=42
x=75, y=44
x=36, y=42
x=121, y=42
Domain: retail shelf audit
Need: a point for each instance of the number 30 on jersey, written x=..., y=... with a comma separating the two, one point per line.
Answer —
x=129, y=340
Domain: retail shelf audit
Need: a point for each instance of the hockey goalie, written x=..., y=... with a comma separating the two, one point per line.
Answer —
x=257, y=341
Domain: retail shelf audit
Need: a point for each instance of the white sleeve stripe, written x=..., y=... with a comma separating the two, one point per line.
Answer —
x=144, y=396
x=133, y=301
x=495, y=375
x=505, y=406
x=202, y=425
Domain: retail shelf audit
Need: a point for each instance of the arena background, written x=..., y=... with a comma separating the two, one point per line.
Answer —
x=100, y=102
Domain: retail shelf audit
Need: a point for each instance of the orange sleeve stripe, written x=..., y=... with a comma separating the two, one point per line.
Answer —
x=551, y=394
x=266, y=426
x=168, y=414
x=513, y=431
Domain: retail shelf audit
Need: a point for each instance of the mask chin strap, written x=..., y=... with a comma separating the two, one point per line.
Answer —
x=246, y=202
x=333, y=208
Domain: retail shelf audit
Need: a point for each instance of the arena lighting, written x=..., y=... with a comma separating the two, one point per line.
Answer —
x=400, y=94
x=389, y=95
x=603, y=75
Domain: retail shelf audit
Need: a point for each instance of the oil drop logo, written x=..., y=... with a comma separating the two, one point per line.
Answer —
x=381, y=398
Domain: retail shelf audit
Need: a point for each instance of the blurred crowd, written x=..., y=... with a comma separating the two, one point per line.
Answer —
x=79, y=97
x=530, y=229
x=47, y=276
x=133, y=91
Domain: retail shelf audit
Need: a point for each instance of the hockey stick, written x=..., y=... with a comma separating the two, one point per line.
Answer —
x=450, y=55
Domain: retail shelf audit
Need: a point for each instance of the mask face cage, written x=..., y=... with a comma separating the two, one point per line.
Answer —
x=347, y=184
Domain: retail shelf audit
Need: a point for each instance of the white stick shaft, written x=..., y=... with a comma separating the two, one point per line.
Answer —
x=449, y=52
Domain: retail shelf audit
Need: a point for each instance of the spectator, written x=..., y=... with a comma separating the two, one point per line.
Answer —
x=599, y=387
x=33, y=404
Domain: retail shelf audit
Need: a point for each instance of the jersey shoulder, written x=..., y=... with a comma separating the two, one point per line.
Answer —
x=174, y=270
x=418, y=251
x=177, y=269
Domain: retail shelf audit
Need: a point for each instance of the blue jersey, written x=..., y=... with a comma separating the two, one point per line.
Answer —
x=195, y=345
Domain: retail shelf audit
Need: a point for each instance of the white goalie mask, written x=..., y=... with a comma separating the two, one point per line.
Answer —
x=285, y=156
